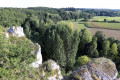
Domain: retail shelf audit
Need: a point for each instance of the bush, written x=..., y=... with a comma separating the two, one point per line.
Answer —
x=83, y=60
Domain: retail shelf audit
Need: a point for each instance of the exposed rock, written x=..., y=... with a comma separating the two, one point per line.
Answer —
x=97, y=69
x=16, y=31
x=37, y=63
x=7, y=35
x=52, y=67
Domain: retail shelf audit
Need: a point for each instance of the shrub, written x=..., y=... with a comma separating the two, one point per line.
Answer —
x=83, y=60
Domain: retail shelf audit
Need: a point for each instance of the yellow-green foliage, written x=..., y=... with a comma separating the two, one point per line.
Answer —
x=1, y=29
x=70, y=24
x=73, y=25
x=83, y=60
x=95, y=77
x=77, y=77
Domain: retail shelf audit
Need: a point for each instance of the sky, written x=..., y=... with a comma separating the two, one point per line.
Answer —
x=109, y=4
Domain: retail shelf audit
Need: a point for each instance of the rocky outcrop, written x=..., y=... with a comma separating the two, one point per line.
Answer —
x=52, y=70
x=97, y=69
x=16, y=31
x=37, y=63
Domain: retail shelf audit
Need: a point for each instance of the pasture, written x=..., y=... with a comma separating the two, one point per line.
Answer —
x=101, y=18
x=101, y=24
x=104, y=25
x=75, y=25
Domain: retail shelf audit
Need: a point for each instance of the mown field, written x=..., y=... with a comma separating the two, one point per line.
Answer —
x=75, y=25
x=101, y=18
x=104, y=25
x=101, y=24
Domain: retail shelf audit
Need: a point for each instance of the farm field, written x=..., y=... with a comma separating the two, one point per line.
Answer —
x=101, y=18
x=100, y=26
x=108, y=33
x=75, y=25
x=104, y=25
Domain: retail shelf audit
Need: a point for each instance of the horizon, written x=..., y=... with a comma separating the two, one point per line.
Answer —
x=94, y=4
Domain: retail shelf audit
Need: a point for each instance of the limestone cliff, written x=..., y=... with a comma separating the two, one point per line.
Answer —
x=16, y=31
x=51, y=70
x=37, y=63
x=97, y=69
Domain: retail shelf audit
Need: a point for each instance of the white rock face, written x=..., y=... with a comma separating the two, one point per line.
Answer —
x=55, y=66
x=7, y=35
x=16, y=31
x=37, y=63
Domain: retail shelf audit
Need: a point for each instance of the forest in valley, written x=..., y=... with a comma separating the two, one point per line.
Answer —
x=68, y=47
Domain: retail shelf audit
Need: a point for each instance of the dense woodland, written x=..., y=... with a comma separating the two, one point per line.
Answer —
x=69, y=48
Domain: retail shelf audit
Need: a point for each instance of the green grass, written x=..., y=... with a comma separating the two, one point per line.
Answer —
x=101, y=18
x=105, y=25
x=75, y=25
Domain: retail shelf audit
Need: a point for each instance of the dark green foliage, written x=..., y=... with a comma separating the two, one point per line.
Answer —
x=54, y=47
x=105, y=20
x=92, y=48
x=100, y=39
x=62, y=44
x=105, y=48
x=12, y=17
x=85, y=39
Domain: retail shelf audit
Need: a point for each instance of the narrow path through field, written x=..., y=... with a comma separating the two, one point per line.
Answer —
x=107, y=32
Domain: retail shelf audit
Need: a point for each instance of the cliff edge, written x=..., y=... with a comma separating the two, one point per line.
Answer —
x=97, y=69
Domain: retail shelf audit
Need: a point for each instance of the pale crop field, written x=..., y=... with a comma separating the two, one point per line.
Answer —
x=107, y=32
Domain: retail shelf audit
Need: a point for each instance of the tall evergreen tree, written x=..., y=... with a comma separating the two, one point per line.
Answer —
x=85, y=39
x=100, y=39
x=113, y=51
x=91, y=49
x=105, y=48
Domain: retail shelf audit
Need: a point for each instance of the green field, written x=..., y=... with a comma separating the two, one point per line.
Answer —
x=101, y=18
x=104, y=24
x=75, y=25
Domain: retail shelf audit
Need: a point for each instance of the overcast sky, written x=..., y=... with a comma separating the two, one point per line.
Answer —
x=110, y=4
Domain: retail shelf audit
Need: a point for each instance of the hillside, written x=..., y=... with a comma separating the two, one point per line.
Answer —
x=22, y=57
x=53, y=43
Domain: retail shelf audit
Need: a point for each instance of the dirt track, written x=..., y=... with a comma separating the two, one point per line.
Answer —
x=107, y=32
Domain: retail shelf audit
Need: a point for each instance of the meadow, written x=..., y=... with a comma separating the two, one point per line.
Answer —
x=102, y=24
x=75, y=25
x=101, y=18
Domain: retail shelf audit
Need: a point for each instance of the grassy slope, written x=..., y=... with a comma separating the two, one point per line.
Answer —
x=75, y=25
